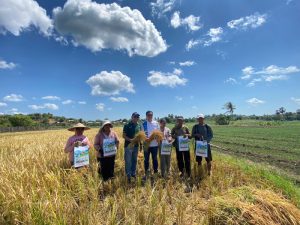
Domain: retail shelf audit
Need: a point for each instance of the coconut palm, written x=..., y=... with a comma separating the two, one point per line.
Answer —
x=229, y=107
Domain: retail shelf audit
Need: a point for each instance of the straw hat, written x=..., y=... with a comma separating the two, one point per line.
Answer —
x=78, y=125
x=105, y=123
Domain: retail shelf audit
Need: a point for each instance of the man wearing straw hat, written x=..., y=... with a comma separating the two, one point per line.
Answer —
x=78, y=139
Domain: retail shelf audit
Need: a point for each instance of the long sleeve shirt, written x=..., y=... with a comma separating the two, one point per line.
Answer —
x=202, y=132
x=69, y=148
x=98, y=143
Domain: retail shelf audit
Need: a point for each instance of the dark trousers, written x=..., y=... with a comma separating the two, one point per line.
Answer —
x=153, y=151
x=106, y=167
x=184, y=161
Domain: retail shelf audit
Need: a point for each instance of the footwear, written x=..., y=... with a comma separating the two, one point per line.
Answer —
x=128, y=180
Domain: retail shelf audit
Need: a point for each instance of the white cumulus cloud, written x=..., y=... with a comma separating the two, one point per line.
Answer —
x=110, y=83
x=19, y=15
x=255, y=101
x=102, y=26
x=82, y=102
x=6, y=65
x=67, y=102
x=187, y=63
x=3, y=104
x=100, y=107
x=44, y=106
x=213, y=35
x=51, y=97
x=119, y=99
x=157, y=78
x=244, y=23
x=267, y=74
x=296, y=100
x=160, y=7
x=13, y=98
x=191, y=44
x=191, y=22
x=231, y=80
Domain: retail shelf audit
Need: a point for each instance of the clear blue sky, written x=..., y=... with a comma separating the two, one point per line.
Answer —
x=104, y=59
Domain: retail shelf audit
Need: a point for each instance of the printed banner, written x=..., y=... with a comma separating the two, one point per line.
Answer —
x=81, y=156
x=166, y=147
x=109, y=147
x=201, y=148
x=183, y=144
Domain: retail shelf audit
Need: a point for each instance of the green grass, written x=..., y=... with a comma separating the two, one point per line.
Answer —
x=277, y=145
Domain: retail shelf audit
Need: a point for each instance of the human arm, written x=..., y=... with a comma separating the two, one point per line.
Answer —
x=69, y=146
x=97, y=142
x=210, y=134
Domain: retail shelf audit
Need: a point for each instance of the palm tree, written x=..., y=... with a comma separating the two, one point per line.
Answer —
x=229, y=107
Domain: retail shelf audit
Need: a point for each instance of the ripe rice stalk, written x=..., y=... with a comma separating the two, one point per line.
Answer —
x=155, y=135
x=138, y=138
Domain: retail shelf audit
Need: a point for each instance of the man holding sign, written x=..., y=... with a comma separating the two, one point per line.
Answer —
x=181, y=135
x=203, y=135
x=106, y=144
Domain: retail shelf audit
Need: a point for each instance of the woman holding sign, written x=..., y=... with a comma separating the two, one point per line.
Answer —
x=80, y=142
x=106, y=144
x=181, y=135
x=165, y=148
x=203, y=135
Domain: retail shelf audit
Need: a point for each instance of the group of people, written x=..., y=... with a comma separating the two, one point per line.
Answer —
x=153, y=148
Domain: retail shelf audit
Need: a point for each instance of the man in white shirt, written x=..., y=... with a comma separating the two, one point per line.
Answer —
x=148, y=127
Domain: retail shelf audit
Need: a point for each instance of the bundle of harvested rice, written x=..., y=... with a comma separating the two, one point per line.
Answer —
x=155, y=135
x=248, y=205
x=138, y=138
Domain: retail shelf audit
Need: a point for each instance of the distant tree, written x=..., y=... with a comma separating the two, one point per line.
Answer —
x=280, y=111
x=21, y=121
x=4, y=121
x=229, y=107
x=222, y=119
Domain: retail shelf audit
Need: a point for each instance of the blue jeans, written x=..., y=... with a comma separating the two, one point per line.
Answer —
x=130, y=156
x=153, y=152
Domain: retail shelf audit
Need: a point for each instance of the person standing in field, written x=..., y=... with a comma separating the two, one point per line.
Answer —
x=78, y=139
x=183, y=157
x=148, y=126
x=203, y=132
x=131, y=153
x=106, y=144
x=165, y=160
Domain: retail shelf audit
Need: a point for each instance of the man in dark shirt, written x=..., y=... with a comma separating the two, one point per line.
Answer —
x=130, y=154
x=203, y=132
x=183, y=157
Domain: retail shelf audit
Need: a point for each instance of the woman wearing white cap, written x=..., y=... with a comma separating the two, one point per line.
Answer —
x=106, y=144
x=78, y=139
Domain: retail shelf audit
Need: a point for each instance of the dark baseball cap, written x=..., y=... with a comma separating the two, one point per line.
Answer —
x=135, y=114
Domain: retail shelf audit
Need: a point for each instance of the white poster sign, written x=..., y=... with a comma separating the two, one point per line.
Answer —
x=183, y=143
x=201, y=148
x=81, y=156
x=166, y=147
x=109, y=147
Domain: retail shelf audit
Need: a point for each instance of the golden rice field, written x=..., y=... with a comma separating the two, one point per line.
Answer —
x=38, y=187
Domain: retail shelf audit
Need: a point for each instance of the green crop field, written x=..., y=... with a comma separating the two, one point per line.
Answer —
x=277, y=144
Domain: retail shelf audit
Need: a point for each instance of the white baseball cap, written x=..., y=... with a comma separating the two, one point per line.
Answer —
x=200, y=116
